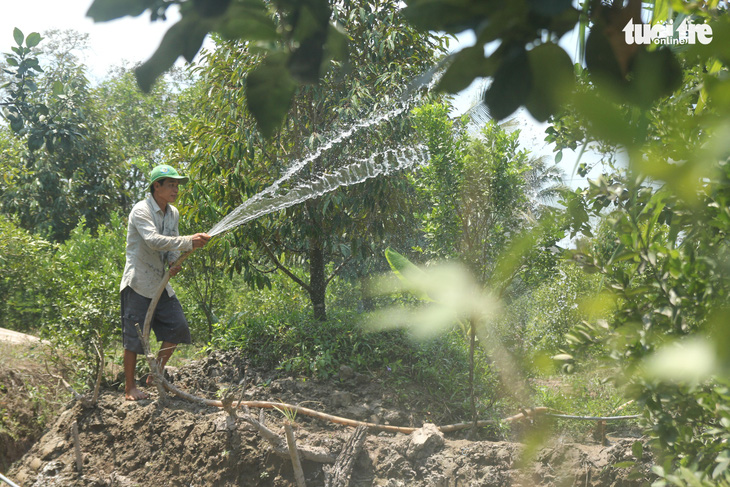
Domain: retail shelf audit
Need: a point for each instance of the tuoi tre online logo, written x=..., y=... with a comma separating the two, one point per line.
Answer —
x=686, y=33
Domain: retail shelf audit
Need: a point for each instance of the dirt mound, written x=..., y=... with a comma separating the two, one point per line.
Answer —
x=29, y=397
x=124, y=443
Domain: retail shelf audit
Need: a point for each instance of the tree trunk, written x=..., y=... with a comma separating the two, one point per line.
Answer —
x=317, y=279
x=366, y=298
x=209, y=318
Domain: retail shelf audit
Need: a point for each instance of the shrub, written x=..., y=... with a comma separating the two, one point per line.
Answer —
x=86, y=273
x=275, y=329
x=25, y=262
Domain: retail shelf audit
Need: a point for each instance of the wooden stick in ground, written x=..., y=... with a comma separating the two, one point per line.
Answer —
x=100, y=353
x=157, y=376
x=341, y=472
x=294, y=454
x=77, y=446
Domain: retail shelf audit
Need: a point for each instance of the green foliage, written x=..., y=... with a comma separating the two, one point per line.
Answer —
x=589, y=393
x=440, y=182
x=273, y=331
x=662, y=255
x=43, y=116
x=535, y=324
x=25, y=262
x=484, y=196
x=86, y=273
x=141, y=127
x=296, y=39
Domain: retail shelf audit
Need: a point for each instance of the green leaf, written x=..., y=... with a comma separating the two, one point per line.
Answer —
x=269, y=91
x=549, y=8
x=511, y=85
x=337, y=42
x=18, y=36
x=406, y=271
x=33, y=40
x=637, y=449
x=552, y=66
x=721, y=468
x=656, y=74
x=660, y=12
x=624, y=464
x=211, y=8
x=447, y=15
x=249, y=20
x=57, y=88
x=35, y=141
x=605, y=119
x=182, y=39
x=105, y=10
x=468, y=64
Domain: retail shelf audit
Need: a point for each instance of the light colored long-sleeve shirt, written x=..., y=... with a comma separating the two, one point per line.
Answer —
x=152, y=240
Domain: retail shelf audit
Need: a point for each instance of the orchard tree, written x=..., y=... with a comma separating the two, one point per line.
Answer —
x=483, y=193
x=141, y=127
x=66, y=170
x=231, y=160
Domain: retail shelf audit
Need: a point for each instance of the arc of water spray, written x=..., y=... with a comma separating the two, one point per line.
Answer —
x=429, y=77
x=342, y=136
x=384, y=162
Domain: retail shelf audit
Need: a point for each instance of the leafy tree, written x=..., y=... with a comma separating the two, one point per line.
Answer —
x=665, y=263
x=328, y=232
x=482, y=192
x=141, y=127
x=85, y=274
x=77, y=175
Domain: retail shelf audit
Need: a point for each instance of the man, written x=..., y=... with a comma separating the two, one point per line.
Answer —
x=153, y=241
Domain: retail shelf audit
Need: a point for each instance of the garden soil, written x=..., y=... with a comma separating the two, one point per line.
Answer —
x=124, y=443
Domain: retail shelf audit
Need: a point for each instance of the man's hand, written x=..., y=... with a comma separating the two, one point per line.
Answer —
x=200, y=239
x=175, y=270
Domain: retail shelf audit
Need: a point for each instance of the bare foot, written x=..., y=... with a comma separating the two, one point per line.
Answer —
x=135, y=394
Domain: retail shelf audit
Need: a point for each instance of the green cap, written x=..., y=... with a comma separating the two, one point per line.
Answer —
x=164, y=171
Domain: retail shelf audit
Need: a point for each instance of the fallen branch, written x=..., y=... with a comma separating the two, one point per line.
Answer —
x=82, y=399
x=341, y=472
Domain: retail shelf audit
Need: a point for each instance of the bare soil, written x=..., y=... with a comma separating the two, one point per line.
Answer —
x=184, y=444
x=29, y=396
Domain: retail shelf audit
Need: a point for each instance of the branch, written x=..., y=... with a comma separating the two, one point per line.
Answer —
x=100, y=374
x=338, y=269
x=284, y=269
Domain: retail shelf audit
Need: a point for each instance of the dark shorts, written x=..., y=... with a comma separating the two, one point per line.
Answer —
x=168, y=322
